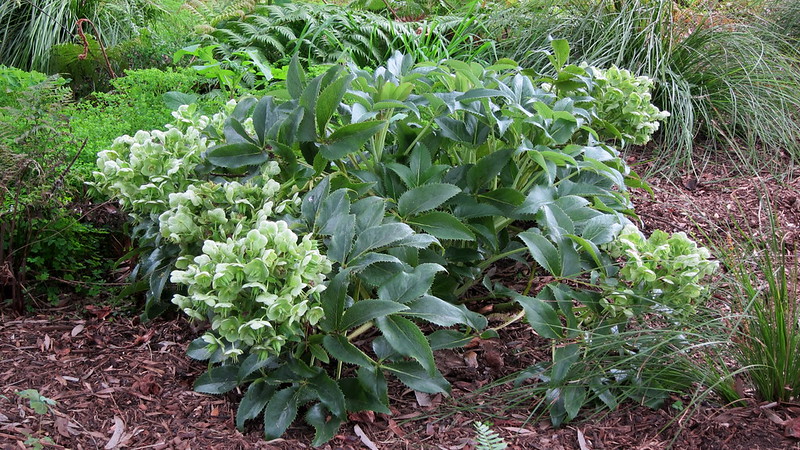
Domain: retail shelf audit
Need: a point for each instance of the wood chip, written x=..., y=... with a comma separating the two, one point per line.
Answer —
x=77, y=330
x=423, y=399
x=119, y=430
x=364, y=439
x=582, y=440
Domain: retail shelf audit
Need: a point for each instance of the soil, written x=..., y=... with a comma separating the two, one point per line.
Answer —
x=118, y=383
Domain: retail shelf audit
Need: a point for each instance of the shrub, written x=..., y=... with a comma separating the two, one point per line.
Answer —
x=329, y=34
x=403, y=183
x=41, y=237
x=731, y=82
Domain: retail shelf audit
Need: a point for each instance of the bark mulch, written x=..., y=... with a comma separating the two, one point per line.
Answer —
x=118, y=383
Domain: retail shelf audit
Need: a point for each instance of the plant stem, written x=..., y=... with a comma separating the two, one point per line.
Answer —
x=359, y=331
x=510, y=321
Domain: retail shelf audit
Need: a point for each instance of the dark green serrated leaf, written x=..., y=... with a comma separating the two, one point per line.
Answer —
x=312, y=201
x=329, y=99
x=442, y=225
x=333, y=300
x=440, y=312
x=329, y=394
x=375, y=384
x=479, y=93
x=369, y=212
x=425, y=198
x=237, y=155
x=295, y=78
x=563, y=359
x=487, y=168
x=325, y=425
x=405, y=337
x=198, y=349
x=601, y=229
x=340, y=348
x=380, y=236
x=536, y=198
x=444, y=339
x=349, y=138
x=543, y=251
x=542, y=317
x=365, y=310
x=407, y=286
x=416, y=377
x=253, y=402
x=574, y=398
x=280, y=412
x=319, y=352
x=358, y=398
x=218, y=380
x=367, y=259
x=341, y=241
x=253, y=363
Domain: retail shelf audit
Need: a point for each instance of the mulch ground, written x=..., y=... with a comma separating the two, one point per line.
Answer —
x=118, y=383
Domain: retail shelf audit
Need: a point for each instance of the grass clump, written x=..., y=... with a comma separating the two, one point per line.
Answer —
x=767, y=342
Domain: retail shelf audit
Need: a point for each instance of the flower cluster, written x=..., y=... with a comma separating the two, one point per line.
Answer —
x=257, y=290
x=623, y=101
x=665, y=269
x=141, y=171
x=249, y=275
x=218, y=211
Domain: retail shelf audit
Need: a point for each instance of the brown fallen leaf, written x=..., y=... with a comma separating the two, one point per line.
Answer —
x=423, y=399
x=396, y=428
x=143, y=339
x=101, y=312
x=471, y=358
x=66, y=428
x=773, y=417
x=77, y=330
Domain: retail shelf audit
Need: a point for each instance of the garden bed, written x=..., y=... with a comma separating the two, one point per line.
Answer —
x=117, y=382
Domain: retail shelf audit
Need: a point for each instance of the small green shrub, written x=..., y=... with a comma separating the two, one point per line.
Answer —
x=137, y=103
x=13, y=81
x=662, y=272
x=41, y=237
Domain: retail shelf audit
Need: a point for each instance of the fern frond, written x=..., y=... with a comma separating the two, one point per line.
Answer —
x=487, y=438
